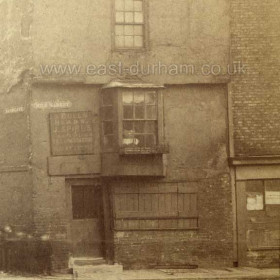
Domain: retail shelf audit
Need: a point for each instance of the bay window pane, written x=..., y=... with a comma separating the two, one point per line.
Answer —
x=107, y=113
x=141, y=140
x=128, y=112
x=128, y=126
x=150, y=98
x=151, y=112
x=139, y=97
x=150, y=140
x=139, y=112
x=109, y=141
x=150, y=127
x=139, y=126
x=108, y=128
x=127, y=97
x=107, y=98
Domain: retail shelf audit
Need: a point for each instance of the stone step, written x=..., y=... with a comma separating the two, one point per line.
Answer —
x=88, y=261
x=100, y=271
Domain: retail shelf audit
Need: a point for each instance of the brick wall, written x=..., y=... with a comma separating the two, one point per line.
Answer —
x=255, y=42
x=209, y=246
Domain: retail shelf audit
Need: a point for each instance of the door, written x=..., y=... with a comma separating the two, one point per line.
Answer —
x=87, y=221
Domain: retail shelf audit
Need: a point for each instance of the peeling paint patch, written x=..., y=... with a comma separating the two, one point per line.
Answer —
x=52, y=104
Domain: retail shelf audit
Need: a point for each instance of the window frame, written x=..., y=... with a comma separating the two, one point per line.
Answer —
x=161, y=147
x=160, y=125
x=144, y=24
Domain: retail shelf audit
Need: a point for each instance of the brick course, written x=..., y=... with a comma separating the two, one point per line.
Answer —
x=255, y=42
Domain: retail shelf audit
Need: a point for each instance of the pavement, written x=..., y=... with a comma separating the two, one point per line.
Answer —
x=241, y=273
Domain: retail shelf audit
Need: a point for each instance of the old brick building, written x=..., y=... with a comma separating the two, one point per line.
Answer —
x=255, y=103
x=130, y=168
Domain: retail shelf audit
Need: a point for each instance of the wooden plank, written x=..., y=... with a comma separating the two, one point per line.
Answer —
x=155, y=202
x=180, y=202
x=146, y=215
x=132, y=202
x=174, y=202
x=149, y=189
x=170, y=223
x=143, y=224
x=118, y=202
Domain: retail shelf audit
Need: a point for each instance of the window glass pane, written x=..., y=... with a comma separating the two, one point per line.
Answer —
x=139, y=97
x=138, y=17
x=107, y=98
x=128, y=126
x=127, y=97
x=128, y=41
x=138, y=41
x=119, y=5
x=128, y=30
x=150, y=98
x=151, y=112
x=129, y=5
x=150, y=127
x=91, y=203
x=139, y=112
x=129, y=17
x=139, y=126
x=108, y=141
x=107, y=113
x=138, y=6
x=108, y=128
x=119, y=17
x=138, y=30
x=78, y=202
x=128, y=112
x=119, y=29
x=150, y=140
x=140, y=140
x=119, y=41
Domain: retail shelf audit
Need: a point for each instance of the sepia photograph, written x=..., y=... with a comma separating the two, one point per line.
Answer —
x=139, y=139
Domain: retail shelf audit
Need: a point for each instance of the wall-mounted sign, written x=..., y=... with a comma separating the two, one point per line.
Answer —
x=272, y=197
x=254, y=201
x=71, y=133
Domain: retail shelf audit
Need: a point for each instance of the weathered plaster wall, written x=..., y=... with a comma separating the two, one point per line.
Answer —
x=196, y=130
x=180, y=32
x=49, y=193
x=15, y=41
x=15, y=62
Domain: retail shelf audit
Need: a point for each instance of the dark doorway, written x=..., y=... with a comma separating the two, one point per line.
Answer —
x=87, y=221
